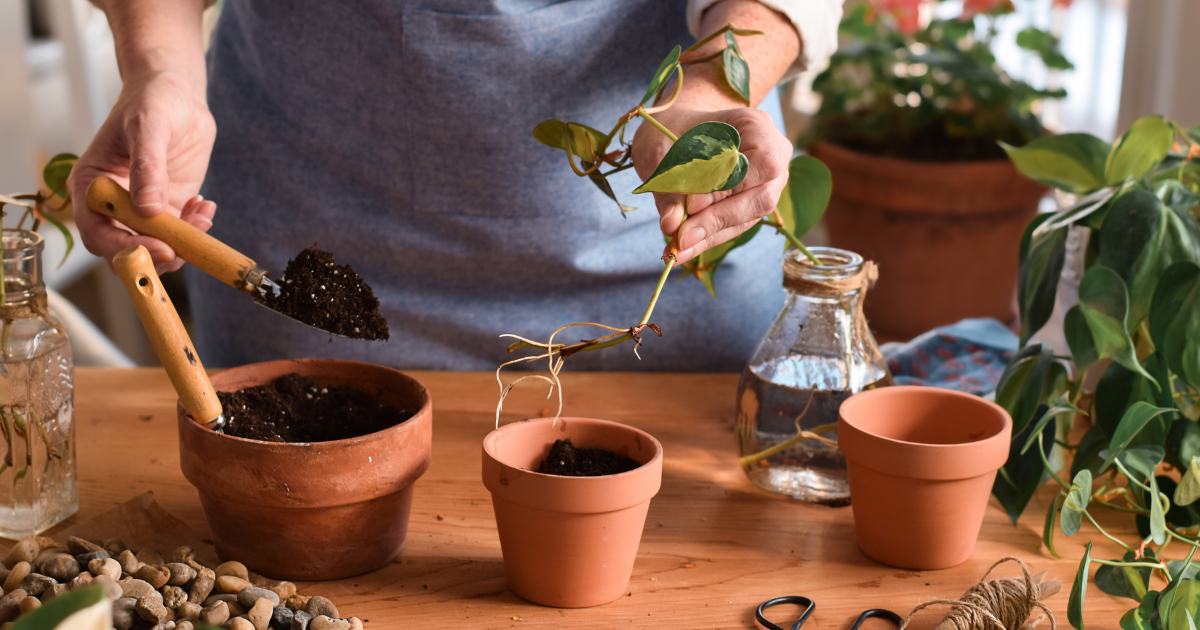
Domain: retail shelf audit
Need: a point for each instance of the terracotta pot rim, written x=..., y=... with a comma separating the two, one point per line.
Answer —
x=905, y=390
x=490, y=438
x=426, y=406
x=816, y=148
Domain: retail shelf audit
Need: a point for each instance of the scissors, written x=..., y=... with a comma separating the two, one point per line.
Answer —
x=811, y=606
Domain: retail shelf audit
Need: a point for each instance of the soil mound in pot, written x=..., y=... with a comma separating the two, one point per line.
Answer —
x=294, y=408
x=319, y=292
x=565, y=460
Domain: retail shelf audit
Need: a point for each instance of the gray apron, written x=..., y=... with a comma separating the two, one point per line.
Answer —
x=397, y=136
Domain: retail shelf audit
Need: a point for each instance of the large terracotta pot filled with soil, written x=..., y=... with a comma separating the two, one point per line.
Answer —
x=944, y=234
x=569, y=542
x=921, y=462
x=315, y=510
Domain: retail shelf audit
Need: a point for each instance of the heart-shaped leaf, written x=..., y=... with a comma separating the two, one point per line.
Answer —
x=1175, y=320
x=1179, y=606
x=1140, y=618
x=1139, y=460
x=601, y=182
x=56, y=172
x=1073, y=162
x=1021, y=385
x=1061, y=405
x=1076, y=502
x=1136, y=417
x=1079, y=590
x=1022, y=475
x=1048, y=527
x=665, y=69
x=1145, y=144
x=1131, y=582
x=806, y=195
x=554, y=134
x=736, y=70
x=705, y=159
x=1104, y=303
x=1188, y=490
x=1041, y=266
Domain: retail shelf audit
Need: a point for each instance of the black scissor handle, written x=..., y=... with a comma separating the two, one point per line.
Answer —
x=877, y=612
x=787, y=599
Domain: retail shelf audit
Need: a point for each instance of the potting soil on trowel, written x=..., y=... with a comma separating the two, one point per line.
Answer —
x=321, y=293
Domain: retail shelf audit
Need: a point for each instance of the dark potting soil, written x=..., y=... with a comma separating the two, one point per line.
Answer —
x=293, y=408
x=319, y=292
x=565, y=460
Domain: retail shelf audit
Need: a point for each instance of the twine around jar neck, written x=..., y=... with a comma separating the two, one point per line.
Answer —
x=34, y=307
x=844, y=272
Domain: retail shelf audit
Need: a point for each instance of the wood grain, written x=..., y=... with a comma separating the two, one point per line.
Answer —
x=211, y=256
x=714, y=545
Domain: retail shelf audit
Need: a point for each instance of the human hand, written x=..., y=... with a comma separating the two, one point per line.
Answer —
x=156, y=142
x=718, y=217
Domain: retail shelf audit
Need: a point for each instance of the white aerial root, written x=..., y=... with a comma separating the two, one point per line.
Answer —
x=552, y=352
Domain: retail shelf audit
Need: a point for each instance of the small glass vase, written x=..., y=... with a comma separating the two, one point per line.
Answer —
x=817, y=353
x=38, y=487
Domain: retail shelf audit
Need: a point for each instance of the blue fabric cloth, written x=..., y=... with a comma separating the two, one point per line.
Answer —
x=967, y=356
x=396, y=134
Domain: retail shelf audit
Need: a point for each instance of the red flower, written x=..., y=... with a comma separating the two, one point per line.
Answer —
x=905, y=12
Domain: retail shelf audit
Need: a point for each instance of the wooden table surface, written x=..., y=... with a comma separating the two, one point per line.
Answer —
x=713, y=548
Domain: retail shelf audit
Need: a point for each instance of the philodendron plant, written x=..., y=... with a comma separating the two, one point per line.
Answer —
x=1133, y=374
x=704, y=159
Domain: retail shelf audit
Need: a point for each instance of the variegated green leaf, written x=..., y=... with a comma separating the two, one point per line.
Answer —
x=665, y=69
x=1076, y=503
x=1103, y=304
x=1188, y=490
x=737, y=71
x=1144, y=145
x=554, y=134
x=705, y=159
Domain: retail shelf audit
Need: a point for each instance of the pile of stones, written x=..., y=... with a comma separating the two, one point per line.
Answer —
x=150, y=592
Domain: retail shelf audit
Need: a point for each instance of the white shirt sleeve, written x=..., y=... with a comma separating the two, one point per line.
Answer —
x=815, y=20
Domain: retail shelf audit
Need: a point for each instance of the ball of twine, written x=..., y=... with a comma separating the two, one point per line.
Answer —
x=1003, y=604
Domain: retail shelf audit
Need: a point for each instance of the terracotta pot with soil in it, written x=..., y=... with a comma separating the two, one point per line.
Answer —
x=569, y=542
x=921, y=462
x=318, y=510
x=944, y=234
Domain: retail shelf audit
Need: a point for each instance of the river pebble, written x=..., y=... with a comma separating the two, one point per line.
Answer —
x=180, y=573
x=61, y=567
x=300, y=620
x=216, y=614
x=155, y=575
x=108, y=567
x=236, y=569
x=251, y=594
x=281, y=618
x=202, y=586
x=35, y=583
x=124, y=613
x=18, y=573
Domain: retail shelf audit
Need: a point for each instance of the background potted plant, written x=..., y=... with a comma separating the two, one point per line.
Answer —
x=1131, y=385
x=908, y=125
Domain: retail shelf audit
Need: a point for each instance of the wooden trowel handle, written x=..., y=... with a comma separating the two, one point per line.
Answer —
x=107, y=197
x=136, y=269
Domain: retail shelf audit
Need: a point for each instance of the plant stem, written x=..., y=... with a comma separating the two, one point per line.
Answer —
x=788, y=443
x=1118, y=563
x=1119, y=508
x=1185, y=539
x=1050, y=469
x=791, y=238
x=1106, y=534
x=662, y=280
x=657, y=125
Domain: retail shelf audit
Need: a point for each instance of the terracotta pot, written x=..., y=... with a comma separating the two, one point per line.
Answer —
x=944, y=234
x=569, y=542
x=921, y=462
x=316, y=511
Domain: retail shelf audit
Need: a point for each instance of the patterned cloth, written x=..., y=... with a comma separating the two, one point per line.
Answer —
x=968, y=356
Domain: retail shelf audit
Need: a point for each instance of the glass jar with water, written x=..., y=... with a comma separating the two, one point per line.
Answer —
x=37, y=474
x=817, y=353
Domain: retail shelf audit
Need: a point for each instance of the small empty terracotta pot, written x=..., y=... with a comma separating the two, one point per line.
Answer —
x=921, y=462
x=313, y=511
x=569, y=542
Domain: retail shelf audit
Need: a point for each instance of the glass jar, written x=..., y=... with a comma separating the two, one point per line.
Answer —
x=817, y=353
x=37, y=474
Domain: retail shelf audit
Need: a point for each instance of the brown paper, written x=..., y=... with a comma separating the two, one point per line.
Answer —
x=142, y=522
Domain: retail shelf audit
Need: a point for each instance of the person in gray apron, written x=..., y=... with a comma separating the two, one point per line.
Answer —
x=396, y=134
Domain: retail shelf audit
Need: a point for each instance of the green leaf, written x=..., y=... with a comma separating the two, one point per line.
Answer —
x=1175, y=320
x=1045, y=45
x=1073, y=162
x=1135, y=418
x=1041, y=265
x=737, y=71
x=665, y=69
x=1179, y=516
x=1087, y=456
x=1140, y=618
x=1131, y=582
x=1022, y=475
x=1145, y=144
x=1021, y=385
x=53, y=612
x=1183, y=442
x=1060, y=406
x=1177, y=568
x=1104, y=303
x=1188, y=490
x=806, y=195
x=1158, y=518
x=1048, y=527
x=1076, y=503
x=1079, y=590
x=554, y=134
x=1077, y=211
x=58, y=225
x=705, y=159
x=601, y=182
x=1119, y=388
x=1173, y=193
x=56, y=172
x=705, y=265
x=1180, y=605
x=1141, y=460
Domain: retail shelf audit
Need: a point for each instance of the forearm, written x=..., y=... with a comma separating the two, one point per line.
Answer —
x=769, y=55
x=154, y=36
